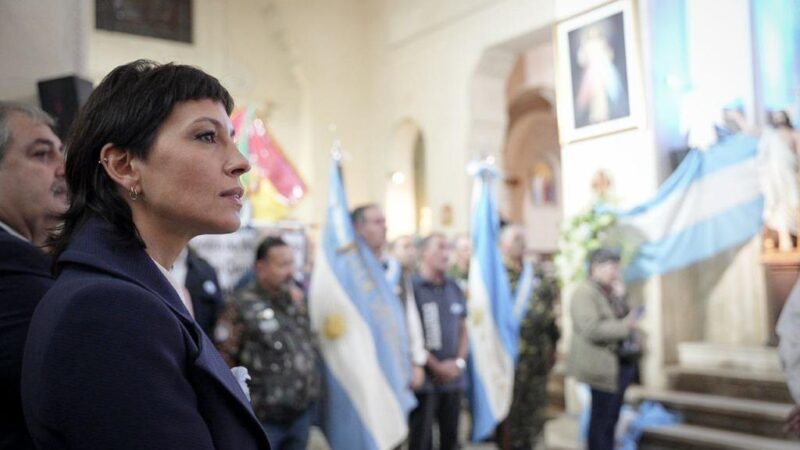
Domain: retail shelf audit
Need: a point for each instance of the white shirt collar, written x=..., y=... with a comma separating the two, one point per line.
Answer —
x=13, y=232
x=180, y=269
x=183, y=294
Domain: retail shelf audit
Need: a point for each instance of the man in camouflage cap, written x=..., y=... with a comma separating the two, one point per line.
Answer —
x=266, y=329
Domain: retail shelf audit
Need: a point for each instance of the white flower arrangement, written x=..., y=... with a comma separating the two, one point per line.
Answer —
x=578, y=237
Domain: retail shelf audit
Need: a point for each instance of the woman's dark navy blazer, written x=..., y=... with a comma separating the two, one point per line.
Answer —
x=114, y=361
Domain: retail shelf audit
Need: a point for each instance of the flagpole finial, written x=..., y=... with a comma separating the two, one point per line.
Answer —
x=336, y=151
x=484, y=167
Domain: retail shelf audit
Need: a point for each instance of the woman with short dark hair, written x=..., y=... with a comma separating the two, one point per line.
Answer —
x=114, y=359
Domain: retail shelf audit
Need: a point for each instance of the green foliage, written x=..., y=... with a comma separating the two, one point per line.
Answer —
x=579, y=236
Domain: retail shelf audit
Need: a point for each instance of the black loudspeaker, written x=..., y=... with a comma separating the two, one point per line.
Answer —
x=62, y=98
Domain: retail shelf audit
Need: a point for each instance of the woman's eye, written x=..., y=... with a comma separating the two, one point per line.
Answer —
x=208, y=137
x=41, y=154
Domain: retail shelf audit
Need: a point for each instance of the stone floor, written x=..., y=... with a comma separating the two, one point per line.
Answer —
x=560, y=435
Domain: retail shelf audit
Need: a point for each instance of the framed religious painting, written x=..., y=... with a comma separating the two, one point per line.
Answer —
x=599, y=80
x=162, y=19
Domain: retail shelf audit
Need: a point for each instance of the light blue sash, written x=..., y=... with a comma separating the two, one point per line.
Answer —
x=527, y=283
x=393, y=272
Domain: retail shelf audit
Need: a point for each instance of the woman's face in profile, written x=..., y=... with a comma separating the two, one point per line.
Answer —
x=190, y=179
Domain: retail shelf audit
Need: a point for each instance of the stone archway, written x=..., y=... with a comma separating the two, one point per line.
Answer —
x=513, y=120
x=532, y=164
x=406, y=202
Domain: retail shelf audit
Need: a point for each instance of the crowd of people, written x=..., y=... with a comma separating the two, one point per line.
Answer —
x=117, y=335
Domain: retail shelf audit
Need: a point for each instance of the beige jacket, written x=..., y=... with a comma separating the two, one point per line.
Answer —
x=592, y=357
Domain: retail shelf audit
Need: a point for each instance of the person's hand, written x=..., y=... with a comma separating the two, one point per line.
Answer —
x=618, y=288
x=632, y=319
x=417, y=377
x=450, y=370
x=447, y=371
x=296, y=293
x=792, y=424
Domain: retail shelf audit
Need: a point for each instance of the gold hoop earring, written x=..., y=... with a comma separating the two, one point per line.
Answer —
x=133, y=194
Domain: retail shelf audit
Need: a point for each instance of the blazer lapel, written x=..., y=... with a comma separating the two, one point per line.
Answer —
x=212, y=363
x=97, y=246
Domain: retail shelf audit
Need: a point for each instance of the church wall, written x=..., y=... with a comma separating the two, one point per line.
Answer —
x=40, y=40
x=329, y=42
x=425, y=71
x=540, y=67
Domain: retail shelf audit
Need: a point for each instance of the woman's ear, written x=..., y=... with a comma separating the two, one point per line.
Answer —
x=120, y=167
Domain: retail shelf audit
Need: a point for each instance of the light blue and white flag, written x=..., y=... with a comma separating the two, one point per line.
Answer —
x=491, y=326
x=711, y=203
x=363, y=338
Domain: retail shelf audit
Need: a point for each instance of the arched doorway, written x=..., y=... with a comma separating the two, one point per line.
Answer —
x=532, y=164
x=406, y=204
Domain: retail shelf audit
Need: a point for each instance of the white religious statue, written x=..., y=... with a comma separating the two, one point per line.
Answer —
x=783, y=125
x=778, y=170
x=706, y=123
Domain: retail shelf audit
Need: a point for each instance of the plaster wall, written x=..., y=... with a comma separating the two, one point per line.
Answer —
x=427, y=55
x=40, y=40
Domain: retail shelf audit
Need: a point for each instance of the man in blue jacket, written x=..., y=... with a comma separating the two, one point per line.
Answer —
x=32, y=194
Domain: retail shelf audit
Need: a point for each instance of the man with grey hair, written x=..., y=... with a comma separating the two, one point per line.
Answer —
x=369, y=223
x=443, y=310
x=33, y=193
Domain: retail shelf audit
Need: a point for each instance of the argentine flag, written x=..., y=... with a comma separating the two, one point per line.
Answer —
x=712, y=202
x=492, y=328
x=363, y=339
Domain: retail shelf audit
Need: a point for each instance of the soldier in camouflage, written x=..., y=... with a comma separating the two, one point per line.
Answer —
x=539, y=334
x=266, y=329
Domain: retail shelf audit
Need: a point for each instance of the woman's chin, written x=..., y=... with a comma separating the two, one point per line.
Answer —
x=224, y=227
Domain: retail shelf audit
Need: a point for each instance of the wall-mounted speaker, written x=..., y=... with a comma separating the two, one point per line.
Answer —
x=62, y=98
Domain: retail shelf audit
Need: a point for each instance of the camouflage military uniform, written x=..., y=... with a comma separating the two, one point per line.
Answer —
x=271, y=336
x=538, y=336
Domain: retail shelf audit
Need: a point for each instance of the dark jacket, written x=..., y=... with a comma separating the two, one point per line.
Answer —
x=24, y=279
x=203, y=287
x=114, y=361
